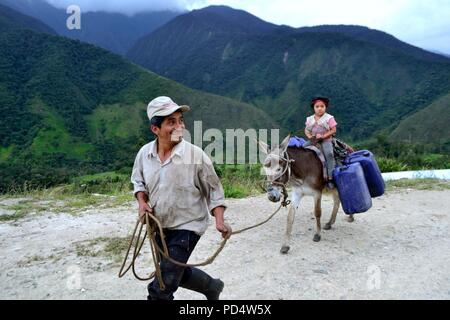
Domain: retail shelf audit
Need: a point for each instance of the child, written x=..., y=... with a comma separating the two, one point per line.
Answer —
x=320, y=128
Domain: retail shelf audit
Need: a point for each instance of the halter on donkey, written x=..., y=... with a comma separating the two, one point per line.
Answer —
x=302, y=170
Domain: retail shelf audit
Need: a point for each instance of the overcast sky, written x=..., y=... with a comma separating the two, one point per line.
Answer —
x=424, y=23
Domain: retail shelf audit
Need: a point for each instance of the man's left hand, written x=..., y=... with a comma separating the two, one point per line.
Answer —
x=225, y=229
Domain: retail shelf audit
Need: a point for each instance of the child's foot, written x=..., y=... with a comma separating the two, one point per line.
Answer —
x=330, y=185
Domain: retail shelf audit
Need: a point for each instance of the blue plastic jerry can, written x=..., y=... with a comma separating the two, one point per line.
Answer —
x=371, y=170
x=352, y=187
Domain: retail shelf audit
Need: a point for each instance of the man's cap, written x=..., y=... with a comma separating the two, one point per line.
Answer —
x=164, y=106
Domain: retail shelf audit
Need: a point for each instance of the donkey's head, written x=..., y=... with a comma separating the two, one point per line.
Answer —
x=276, y=169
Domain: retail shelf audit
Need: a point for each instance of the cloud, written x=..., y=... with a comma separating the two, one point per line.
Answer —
x=128, y=7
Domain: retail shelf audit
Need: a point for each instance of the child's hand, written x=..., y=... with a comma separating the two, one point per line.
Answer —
x=319, y=136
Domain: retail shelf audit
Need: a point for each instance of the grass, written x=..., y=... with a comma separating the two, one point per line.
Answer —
x=113, y=248
x=37, y=259
x=5, y=153
x=418, y=184
x=105, y=190
x=49, y=202
x=111, y=121
x=21, y=209
x=240, y=181
x=12, y=217
x=55, y=138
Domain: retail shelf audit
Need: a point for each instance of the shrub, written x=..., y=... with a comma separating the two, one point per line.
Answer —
x=391, y=165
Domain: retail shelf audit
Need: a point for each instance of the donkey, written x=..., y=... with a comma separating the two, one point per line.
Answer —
x=302, y=170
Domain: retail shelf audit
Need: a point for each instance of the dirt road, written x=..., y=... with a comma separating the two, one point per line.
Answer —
x=400, y=249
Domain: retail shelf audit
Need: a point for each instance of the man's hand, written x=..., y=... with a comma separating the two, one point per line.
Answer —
x=319, y=136
x=221, y=226
x=143, y=208
x=225, y=229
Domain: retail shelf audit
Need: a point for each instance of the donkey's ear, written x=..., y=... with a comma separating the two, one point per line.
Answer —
x=285, y=143
x=263, y=146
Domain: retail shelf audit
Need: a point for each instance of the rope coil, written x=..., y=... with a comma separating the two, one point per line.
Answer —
x=153, y=226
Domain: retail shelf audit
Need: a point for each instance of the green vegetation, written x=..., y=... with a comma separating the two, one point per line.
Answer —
x=111, y=247
x=240, y=181
x=54, y=138
x=395, y=156
x=427, y=125
x=21, y=209
x=12, y=217
x=5, y=153
x=418, y=184
x=71, y=109
x=115, y=121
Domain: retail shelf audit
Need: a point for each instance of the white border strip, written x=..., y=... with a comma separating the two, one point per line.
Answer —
x=426, y=174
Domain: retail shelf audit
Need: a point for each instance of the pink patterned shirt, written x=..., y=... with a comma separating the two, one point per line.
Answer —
x=324, y=124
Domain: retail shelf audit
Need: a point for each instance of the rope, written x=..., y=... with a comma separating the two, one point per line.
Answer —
x=152, y=226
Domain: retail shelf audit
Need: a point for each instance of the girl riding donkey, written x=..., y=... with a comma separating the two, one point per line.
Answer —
x=320, y=128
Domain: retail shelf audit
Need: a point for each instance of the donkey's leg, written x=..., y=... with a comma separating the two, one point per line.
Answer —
x=336, y=203
x=350, y=218
x=287, y=236
x=318, y=214
x=290, y=221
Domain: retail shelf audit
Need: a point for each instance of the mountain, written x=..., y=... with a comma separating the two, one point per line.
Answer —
x=218, y=18
x=377, y=37
x=374, y=80
x=205, y=30
x=115, y=32
x=11, y=19
x=69, y=108
x=428, y=124
x=441, y=53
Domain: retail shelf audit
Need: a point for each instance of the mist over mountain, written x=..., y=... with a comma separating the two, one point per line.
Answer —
x=128, y=7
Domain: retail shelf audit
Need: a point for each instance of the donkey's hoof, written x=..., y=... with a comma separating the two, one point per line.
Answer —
x=316, y=238
x=284, y=249
x=350, y=219
x=327, y=227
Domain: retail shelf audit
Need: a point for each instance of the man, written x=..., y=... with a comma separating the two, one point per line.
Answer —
x=176, y=181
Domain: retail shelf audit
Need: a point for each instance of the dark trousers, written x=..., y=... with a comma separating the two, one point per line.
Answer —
x=180, y=244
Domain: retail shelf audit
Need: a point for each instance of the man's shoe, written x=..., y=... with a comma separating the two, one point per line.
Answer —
x=201, y=282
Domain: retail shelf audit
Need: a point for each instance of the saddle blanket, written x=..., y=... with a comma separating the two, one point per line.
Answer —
x=341, y=151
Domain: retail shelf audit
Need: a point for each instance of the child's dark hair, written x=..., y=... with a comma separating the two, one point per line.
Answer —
x=325, y=100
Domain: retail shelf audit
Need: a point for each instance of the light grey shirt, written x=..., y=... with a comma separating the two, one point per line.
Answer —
x=183, y=190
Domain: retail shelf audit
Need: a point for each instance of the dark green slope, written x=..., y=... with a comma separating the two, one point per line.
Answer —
x=430, y=124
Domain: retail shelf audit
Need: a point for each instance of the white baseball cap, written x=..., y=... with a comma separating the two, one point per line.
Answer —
x=163, y=106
